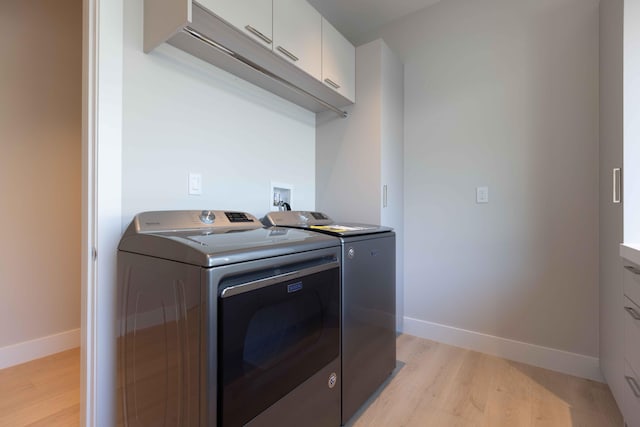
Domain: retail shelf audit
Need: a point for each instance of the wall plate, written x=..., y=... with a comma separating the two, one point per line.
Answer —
x=195, y=184
x=280, y=193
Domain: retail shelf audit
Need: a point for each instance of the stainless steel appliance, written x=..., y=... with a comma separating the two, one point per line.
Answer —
x=368, y=301
x=224, y=322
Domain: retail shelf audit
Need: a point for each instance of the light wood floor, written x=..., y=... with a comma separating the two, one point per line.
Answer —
x=440, y=385
x=43, y=392
x=435, y=385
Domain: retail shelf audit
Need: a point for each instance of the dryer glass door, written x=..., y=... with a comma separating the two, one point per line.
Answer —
x=274, y=333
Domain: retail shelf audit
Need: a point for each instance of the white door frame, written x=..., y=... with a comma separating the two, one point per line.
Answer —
x=101, y=204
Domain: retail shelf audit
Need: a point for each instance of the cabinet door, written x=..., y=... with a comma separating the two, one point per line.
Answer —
x=338, y=62
x=631, y=401
x=632, y=282
x=297, y=34
x=253, y=17
x=632, y=334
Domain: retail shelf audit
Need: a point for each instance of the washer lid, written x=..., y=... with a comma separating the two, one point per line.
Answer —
x=213, y=245
x=318, y=221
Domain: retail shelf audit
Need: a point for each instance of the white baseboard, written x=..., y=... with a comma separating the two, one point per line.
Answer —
x=544, y=357
x=16, y=354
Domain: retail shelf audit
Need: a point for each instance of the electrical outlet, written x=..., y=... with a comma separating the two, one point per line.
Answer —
x=482, y=195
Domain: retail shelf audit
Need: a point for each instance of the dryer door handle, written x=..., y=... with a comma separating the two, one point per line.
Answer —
x=274, y=280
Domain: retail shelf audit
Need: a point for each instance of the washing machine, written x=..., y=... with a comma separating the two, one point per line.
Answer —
x=223, y=322
x=368, y=301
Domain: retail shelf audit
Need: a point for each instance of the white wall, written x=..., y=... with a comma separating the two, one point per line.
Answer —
x=183, y=115
x=40, y=125
x=502, y=93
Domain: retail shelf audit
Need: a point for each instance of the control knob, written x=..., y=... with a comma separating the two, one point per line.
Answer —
x=207, y=217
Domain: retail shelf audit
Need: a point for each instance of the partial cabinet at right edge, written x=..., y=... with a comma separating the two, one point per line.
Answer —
x=631, y=393
x=338, y=62
x=630, y=249
x=619, y=353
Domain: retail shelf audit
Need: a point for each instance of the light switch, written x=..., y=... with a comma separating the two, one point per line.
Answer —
x=195, y=184
x=482, y=195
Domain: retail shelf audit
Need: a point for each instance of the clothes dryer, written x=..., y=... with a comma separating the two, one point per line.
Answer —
x=224, y=322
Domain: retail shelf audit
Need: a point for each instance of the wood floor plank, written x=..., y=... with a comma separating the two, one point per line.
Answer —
x=607, y=404
x=509, y=377
x=505, y=409
x=435, y=375
x=432, y=416
x=384, y=409
x=46, y=390
x=67, y=417
x=470, y=392
x=34, y=410
x=550, y=412
x=585, y=418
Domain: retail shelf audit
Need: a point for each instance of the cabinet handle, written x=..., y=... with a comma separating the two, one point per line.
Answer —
x=633, y=313
x=332, y=83
x=633, y=385
x=384, y=195
x=632, y=269
x=258, y=34
x=616, y=185
x=288, y=54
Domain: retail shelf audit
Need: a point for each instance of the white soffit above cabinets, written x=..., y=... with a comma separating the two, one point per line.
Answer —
x=356, y=18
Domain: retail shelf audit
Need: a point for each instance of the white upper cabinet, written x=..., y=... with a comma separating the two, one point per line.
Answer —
x=338, y=62
x=254, y=17
x=274, y=44
x=297, y=35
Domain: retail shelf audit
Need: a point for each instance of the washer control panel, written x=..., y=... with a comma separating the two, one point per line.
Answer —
x=297, y=218
x=163, y=221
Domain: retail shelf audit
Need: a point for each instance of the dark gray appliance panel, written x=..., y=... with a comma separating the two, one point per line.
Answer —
x=297, y=406
x=293, y=409
x=159, y=319
x=369, y=323
x=272, y=339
